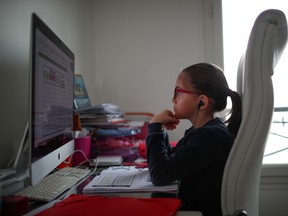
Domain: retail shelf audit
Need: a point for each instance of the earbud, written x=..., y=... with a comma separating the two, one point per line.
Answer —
x=201, y=103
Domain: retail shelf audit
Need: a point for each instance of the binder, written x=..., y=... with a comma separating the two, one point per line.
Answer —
x=106, y=205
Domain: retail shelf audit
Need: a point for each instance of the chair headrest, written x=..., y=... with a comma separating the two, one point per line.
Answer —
x=272, y=26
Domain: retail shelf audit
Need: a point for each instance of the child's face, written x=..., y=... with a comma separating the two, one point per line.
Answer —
x=185, y=100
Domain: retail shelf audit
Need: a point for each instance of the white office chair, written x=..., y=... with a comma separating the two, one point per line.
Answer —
x=240, y=185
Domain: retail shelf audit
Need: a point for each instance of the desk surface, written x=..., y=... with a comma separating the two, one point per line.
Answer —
x=38, y=207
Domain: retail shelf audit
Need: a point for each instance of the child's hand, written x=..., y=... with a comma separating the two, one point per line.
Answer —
x=167, y=118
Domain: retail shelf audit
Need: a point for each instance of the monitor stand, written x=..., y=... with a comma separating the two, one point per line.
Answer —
x=21, y=163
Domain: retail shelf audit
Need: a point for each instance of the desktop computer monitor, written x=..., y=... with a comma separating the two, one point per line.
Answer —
x=51, y=101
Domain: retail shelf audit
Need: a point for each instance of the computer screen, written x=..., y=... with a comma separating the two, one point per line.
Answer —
x=51, y=100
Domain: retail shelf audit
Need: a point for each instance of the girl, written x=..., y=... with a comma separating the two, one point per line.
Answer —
x=199, y=158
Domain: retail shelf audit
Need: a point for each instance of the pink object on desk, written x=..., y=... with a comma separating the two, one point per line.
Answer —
x=84, y=145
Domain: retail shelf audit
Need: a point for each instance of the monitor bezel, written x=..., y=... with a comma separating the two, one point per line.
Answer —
x=39, y=168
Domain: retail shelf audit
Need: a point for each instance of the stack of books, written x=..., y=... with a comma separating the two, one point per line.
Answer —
x=102, y=115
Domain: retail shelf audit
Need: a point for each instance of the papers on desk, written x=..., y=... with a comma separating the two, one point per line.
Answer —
x=141, y=182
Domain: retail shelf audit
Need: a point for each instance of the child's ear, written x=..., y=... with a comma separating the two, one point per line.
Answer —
x=203, y=101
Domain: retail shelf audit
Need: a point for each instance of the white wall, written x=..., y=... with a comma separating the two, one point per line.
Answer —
x=141, y=46
x=273, y=193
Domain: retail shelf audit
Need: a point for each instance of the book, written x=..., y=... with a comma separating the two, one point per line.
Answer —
x=141, y=181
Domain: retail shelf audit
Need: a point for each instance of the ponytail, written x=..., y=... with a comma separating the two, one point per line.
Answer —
x=236, y=113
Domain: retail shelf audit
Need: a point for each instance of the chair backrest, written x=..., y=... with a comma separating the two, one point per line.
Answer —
x=240, y=186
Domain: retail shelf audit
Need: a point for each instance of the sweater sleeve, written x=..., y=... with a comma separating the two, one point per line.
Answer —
x=158, y=151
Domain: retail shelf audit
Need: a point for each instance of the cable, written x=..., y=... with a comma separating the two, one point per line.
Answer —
x=196, y=117
x=10, y=162
x=84, y=161
x=96, y=164
x=75, y=151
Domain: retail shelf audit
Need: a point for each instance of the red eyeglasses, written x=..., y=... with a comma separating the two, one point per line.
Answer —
x=178, y=92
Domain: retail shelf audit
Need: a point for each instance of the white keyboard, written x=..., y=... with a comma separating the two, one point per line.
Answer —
x=54, y=184
x=114, y=180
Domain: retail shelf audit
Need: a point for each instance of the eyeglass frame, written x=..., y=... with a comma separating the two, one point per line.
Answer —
x=180, y=90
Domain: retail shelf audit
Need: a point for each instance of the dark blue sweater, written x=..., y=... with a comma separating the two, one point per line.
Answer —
x=197, y=161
